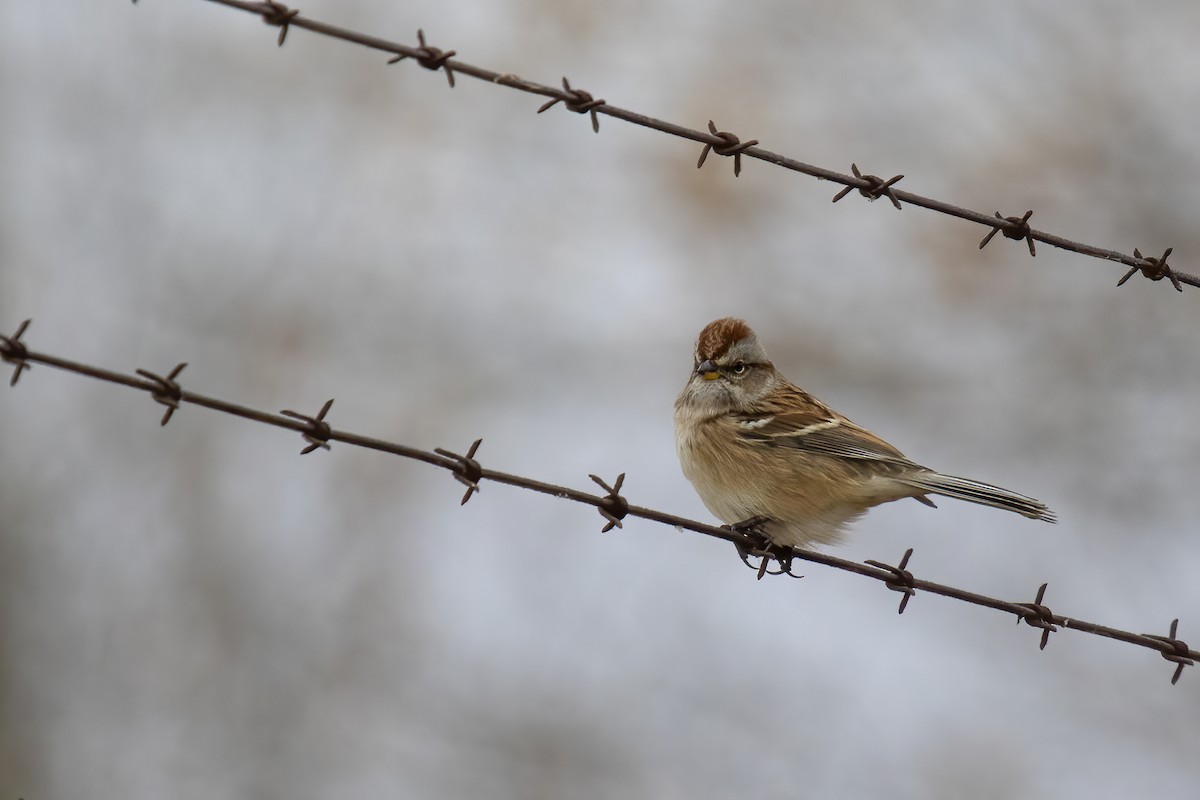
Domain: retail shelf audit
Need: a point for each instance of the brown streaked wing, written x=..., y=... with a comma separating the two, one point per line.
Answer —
x=808, y=424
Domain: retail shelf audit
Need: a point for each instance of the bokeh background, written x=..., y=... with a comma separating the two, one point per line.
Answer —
x=196, y=612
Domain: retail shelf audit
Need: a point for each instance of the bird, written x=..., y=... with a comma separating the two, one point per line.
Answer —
x=769, y=458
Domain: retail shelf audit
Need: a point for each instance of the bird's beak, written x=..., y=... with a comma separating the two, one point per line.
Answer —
x=707, y=370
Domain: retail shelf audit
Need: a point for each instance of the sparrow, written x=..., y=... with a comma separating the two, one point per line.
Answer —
x=763, y=453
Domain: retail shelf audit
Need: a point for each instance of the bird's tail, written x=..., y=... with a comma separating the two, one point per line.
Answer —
x=982, y=493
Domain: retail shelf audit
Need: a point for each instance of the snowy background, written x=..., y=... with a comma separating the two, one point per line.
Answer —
x=196, y=612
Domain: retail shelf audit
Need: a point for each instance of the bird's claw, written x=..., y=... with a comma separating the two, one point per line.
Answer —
x=757, y=544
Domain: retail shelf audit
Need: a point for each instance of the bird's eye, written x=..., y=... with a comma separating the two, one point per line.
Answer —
x=739, y=368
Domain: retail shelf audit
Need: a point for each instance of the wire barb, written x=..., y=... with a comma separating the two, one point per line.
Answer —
x=280, y=16
x=166, y=391
x=466, y=469
x=875, y=187
x=901, y=580
x=431, y=58
x=13, y=350
x=576, y=100
x=1037, y=615
x=1153, y=268
x=613, y=507
x=729, y=145
x=1174, y=650
x=317, y=433
x=1016, y=228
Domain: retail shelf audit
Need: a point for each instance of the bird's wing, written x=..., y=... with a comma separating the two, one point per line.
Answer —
x=803, y=422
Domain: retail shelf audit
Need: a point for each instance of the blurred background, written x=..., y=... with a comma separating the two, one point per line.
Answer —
x=196, y=612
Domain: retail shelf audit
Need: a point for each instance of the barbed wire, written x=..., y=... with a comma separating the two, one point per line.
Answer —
x=317, y=433
x=723, y=143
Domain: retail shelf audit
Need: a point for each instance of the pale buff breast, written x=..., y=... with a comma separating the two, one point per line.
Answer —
x=809, y=498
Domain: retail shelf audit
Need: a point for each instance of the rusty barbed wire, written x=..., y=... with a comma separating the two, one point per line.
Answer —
x=722, y=143
x=612, y=506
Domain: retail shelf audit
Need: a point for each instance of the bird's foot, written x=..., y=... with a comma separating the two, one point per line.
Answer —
x=754, y=530
x=757, y=544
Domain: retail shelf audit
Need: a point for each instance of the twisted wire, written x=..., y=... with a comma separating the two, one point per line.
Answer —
x=722, y=143
x=613, y=507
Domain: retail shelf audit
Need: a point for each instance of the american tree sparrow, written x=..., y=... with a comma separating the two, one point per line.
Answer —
x=756, y=446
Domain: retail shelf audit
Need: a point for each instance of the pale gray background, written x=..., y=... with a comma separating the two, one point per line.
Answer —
x=197, y=612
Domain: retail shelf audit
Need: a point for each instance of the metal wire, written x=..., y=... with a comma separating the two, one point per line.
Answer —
x=722, y=143
x=612, y=506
